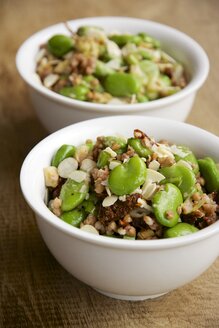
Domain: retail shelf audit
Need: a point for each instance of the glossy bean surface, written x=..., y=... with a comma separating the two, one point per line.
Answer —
x=125, y=178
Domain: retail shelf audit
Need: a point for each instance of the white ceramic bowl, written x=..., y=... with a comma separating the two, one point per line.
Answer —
x=56, y=111
x=124, y=269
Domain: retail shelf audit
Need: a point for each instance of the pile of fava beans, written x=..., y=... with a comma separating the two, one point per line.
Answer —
x=133, y=188
x=90, y=65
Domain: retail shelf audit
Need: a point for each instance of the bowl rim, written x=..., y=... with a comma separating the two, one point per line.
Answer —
x=194, y=84
x=46, y=215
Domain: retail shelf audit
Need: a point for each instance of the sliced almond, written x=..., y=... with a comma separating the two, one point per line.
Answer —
x=109, y=200
x=108, y=191
x=114, y=63
x=184, y=163
x=137, y=191
x=36, y=78
x=41, y=53
x=121, y=231
x=67, y=166
x=154, y=165
x=154, y=176
x=143, y=204
x=113, y=49
x=84, y=189
x=89, y=228
x=50, y=80
x=78, y=176
x=46, y=196
x=68, y=55
x=178, y=151
x=87, y=165
x=148, y=190
x=111, y=152
x=113, y=164
x=148, y=220
x=162, y=150
x=122, y=198
x=116, y=101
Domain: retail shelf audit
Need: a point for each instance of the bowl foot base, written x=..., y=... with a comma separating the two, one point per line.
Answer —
x=127, y=297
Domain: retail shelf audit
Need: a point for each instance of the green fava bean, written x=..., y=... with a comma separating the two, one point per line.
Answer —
x=78, y=92
x=210, y=173
x=110, y=141
x=128, y=237
x=103, y=159
x=165, y=204
x=152, y=95
x=74, y=217
x=141, y=150
x=92, y=31
x=182, y=177
x=92, y=83
x=88, y=206
x=71, y=194
x=180, y=229
x=93, y=198
x=142, y=98
x=132, y=59
x=59, y=45
x=63, y=152
x=123, y=39
x=165, y=81
x=125, y=178
x=145, y=54
x=102, y=70
x=189, y=157
x=122, y=84
x=148, y=39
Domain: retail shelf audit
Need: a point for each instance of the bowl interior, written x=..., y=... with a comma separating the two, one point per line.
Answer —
x=201, y=142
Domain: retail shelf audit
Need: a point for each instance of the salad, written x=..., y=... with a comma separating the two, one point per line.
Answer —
x=91, y=65
x=133, y=188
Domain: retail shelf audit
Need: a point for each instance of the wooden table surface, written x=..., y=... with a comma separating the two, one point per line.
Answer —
x=35, y=290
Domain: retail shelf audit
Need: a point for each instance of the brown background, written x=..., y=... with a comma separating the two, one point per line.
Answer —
x=35, y=291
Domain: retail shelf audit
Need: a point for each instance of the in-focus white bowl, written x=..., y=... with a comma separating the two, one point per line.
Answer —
x=124, y=269
x=56, y=111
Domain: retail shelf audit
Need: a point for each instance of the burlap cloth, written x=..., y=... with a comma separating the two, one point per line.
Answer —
x=35, y=290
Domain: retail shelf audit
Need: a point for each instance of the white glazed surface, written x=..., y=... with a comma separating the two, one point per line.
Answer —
x=56, y=111
x=125, y=269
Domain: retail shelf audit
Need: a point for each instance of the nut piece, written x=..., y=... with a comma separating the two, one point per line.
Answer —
x=50, y=80
x=51, y=176
x=154, y=165
x=113, y=164
x=81, y=153
x=87, y=165
x=148, y=190
x=184, y=163
x=111, y=152
x=162, y=151
x=78, y=176
x=55, y=206
x=89, y=228
x=154, y=176
x=109, y=200
x=143, y=204
x=67, y=166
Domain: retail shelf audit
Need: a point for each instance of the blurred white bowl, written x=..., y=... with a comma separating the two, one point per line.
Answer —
x=124, y=269
x=56, y=111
